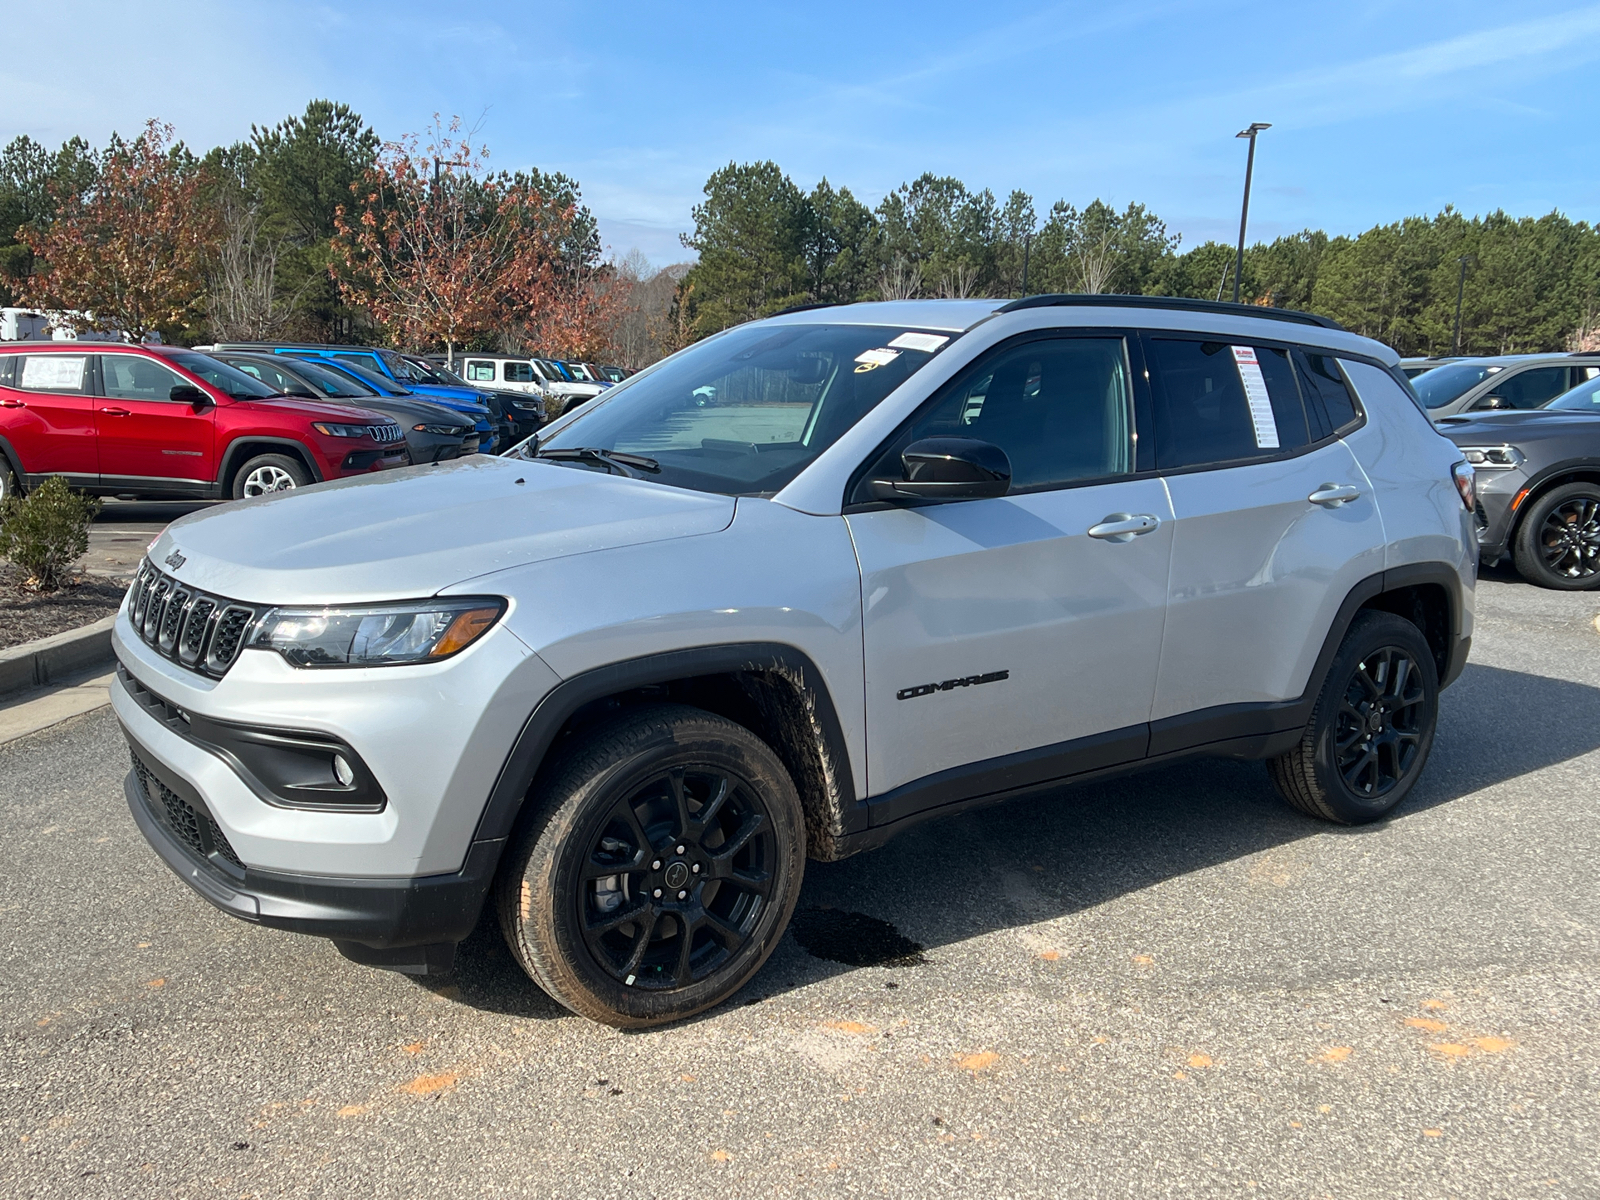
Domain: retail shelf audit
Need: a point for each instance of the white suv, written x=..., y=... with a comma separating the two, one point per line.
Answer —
x=784, y=594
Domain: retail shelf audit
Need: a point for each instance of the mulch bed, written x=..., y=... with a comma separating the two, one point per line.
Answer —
x=26, y=615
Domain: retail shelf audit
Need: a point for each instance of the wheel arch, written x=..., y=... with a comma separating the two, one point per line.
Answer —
x=245, y=447
x=1583, y=471
x=14, y=461
x=773, y=690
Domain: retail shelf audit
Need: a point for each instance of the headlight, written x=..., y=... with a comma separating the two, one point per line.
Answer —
x=441, y=430
x=1490, y=457
x=343, y=430
x=377, y=635
x=533, y=404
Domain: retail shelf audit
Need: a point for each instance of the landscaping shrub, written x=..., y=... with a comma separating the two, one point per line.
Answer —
x=46, y=531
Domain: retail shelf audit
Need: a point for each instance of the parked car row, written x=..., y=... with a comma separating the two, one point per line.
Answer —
x=1530, y=426
x=561, y=385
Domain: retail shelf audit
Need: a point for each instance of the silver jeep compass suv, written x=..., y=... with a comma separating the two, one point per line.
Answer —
x=783, y=595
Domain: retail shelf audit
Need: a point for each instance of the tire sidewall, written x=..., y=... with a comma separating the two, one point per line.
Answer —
x=1372, y=632
x=1529, y=554
x=549, y=895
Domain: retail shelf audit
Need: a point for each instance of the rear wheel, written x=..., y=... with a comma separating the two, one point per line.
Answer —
x=660, y=869
x=1558, y=542
x=268, y=473
x=1372, y=727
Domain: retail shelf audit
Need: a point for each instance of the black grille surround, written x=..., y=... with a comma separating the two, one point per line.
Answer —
x=195, y=827
x=196, y=630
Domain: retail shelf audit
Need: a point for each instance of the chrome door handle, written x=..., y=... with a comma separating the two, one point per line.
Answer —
x=1124, y=527
x=115, y=412
x=1332, y=495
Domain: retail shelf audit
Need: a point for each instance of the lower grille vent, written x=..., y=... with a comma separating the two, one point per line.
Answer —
x=194, y=827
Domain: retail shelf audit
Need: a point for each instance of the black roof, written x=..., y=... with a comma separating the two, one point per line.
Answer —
x=1182, y=303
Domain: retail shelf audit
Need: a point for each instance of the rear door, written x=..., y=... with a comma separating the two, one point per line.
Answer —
x=146, y=435
x=996, y=627
x=47, y=414
x=1275, y=522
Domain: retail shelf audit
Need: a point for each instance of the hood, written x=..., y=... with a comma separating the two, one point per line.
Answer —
x=1502, y=425
x=409, y=533
x=316, y=410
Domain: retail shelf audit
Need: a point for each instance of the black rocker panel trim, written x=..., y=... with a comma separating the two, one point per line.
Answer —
x=567, y=697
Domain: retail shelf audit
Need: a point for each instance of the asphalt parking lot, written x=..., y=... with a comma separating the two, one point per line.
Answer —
x=1171, y=985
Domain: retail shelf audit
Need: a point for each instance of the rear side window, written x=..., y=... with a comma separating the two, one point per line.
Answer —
x=8, y=370
x=1219, y=402
x=54, y=373
x=1531, y=388
x=480, y=372
x=1331, y=407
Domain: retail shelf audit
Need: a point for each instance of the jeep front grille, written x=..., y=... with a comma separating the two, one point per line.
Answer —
x=387, y=433
x=194, y=629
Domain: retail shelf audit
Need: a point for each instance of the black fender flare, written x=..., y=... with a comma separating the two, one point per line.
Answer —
x=231, y=455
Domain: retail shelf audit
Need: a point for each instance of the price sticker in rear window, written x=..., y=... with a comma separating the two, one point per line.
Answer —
x=53, y=372
x=1255, y=393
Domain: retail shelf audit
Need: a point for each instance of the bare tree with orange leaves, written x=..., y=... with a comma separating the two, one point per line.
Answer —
x=438, y=250
x=132, y=248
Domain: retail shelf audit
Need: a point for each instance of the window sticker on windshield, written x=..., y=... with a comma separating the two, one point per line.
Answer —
x=52, y=371
x=1255, y=392
x=926, y=342
x=871, y=360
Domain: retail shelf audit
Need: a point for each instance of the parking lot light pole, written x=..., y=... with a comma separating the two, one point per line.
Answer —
x=1244, y=211
x=1461, y=287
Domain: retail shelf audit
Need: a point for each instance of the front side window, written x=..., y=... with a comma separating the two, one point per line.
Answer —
x=1531, y=388
x=1441, y=385
x=519, y=372
x=331, y=382
x=268, y=374
x=480, y=372
x=53, y=373
x=226, y=379
x=746, y=411
x=1060, y=408
x=1219, y=402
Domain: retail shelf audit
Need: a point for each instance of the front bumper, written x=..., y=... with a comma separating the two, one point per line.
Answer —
x=1496, y=516
x=405, y=924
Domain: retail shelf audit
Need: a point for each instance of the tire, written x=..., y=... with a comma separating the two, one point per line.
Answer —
x=1558, y=542
x=268, y=473
x=1354, y=765
x=611, y=947
x=8, y=482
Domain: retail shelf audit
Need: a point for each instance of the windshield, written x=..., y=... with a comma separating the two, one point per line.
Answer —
x=446, y=375
x=1583, y=398
x=1450, y=382
x=379, y=385
x=332, y=383
x=745, y=412
x=221, y=376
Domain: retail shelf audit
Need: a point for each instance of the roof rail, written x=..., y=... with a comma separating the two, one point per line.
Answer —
x=805, y=307
x=1221, y=307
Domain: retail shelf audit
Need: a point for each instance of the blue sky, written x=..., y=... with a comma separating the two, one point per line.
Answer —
x=1379, y=110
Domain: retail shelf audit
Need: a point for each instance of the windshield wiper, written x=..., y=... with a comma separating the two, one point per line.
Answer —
x=619, y=461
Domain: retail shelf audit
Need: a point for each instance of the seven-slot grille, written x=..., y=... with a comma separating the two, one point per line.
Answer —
x=387, y=433
x=195, y=629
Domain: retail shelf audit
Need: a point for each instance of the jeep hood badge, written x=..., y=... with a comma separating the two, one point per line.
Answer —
x=175, y=560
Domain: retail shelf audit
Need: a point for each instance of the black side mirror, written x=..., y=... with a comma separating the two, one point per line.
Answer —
x=187, y=393
x=948, y=468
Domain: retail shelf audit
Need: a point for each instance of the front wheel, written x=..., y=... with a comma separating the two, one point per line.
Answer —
x=1372, y=727
x=1558, y=543
x=268, y=473
x=660, y=869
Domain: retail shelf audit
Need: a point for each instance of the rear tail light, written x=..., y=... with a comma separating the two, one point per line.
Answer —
x=1466, y=484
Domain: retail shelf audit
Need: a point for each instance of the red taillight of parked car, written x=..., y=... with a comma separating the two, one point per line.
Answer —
x=1466, y=483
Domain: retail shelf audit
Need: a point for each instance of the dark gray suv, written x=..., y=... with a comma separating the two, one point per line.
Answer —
x=1539, y=487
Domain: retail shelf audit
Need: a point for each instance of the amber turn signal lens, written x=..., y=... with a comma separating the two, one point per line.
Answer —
x=467, y=628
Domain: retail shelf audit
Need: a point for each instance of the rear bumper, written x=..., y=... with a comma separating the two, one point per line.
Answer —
x=406, y=924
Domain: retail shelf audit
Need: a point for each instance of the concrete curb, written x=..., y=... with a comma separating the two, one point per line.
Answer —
x=53, y=658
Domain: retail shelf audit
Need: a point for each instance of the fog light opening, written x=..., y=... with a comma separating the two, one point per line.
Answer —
x=343, y=771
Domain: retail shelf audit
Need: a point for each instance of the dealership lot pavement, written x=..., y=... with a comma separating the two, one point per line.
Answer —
x=1169, y=985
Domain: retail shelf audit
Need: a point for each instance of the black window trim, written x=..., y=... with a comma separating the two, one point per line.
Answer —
x=1137, y=375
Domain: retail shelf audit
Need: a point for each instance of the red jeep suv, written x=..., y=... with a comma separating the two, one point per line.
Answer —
x=161, y=422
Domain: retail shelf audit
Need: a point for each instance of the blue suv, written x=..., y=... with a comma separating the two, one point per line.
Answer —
x=391, y=367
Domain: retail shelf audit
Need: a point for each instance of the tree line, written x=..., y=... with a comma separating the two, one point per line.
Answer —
x=764, y=244
x=312, y=229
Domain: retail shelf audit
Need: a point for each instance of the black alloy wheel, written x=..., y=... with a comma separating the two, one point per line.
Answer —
x=677, y=879
x=656, y=868
x=1378, y=729
x=1372, y=727
x=1558, y=543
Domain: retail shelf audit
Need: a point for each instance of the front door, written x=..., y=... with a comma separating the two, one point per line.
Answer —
x=1275, y=523
x=145, y=435
x=1014, y=640
x=47, y=413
